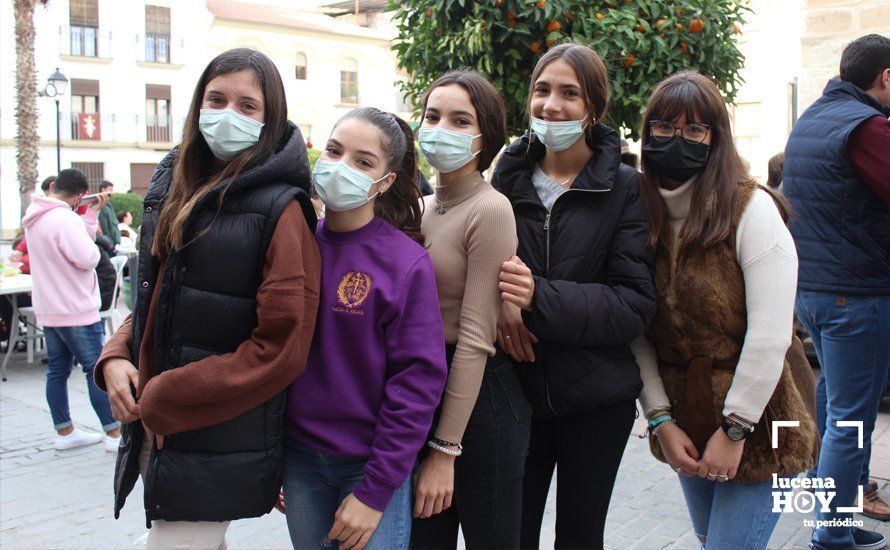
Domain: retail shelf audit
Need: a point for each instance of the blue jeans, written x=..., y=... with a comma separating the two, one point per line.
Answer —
x=821, y=405
x=314, y=486
x=64, y=346
x=850, y=336
x=730, y=515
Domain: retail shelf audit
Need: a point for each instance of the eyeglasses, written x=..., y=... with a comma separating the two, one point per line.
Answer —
x=662, y=130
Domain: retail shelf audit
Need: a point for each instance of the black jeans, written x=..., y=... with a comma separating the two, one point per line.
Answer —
x=487, y=502
x=588, y=447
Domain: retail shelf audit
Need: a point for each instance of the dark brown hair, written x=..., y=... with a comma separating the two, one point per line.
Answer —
x=489, y=105
x=401, y=204
x=591, y=73
x=196, y=171
x=716, y=189
x=775, y=168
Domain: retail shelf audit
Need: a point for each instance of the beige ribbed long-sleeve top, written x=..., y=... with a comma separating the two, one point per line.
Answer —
x=467, y=243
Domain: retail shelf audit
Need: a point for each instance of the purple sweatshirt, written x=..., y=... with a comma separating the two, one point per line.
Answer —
x=376, y=369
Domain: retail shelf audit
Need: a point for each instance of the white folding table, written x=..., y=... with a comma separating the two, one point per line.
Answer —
x=10, y=288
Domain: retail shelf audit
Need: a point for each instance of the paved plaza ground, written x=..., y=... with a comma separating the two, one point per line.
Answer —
x=52, y=499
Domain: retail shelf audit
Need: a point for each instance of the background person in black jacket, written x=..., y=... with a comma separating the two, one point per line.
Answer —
x=582, y=281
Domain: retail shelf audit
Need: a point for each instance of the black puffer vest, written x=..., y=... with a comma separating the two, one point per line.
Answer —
x=207, y=306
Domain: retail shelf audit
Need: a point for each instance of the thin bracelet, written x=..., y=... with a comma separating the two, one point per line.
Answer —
x=447, y=443
x=446, y=450
x=656, y=422
x=654, y=431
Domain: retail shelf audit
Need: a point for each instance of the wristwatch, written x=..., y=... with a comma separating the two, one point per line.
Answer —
x=735, y=428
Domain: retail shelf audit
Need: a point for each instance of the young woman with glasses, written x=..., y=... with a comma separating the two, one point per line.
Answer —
x=719, y=362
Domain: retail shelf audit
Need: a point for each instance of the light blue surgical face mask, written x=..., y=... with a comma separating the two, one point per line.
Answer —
x=227, y=133
x=558, y=136
x=340, y=186
x=446, y=150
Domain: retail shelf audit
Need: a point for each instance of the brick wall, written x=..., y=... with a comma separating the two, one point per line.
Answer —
x=828, y=26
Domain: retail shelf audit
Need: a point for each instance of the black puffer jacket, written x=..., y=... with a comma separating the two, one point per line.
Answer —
x=593, y=277
x=207, y=306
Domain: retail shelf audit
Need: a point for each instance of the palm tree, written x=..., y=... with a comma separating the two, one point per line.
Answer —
x=26, y=99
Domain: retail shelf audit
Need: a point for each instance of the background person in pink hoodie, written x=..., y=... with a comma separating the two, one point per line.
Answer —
x=66, y=300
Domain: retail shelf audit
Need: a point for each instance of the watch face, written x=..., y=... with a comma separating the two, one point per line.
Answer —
x=736, y=433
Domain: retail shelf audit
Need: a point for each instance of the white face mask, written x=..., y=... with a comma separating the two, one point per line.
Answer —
x=227, y=133
x=446, y=150
x=340, y=186
x=558, y=136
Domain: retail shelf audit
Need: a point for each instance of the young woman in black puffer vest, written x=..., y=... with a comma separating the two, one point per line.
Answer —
x=227, y=297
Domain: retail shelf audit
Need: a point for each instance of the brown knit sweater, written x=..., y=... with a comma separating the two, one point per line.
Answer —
x=468, y=244
x=221, y=387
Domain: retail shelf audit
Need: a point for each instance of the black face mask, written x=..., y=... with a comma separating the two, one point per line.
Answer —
x=676, y=158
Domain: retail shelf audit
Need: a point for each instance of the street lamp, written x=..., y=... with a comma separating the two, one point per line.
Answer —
x=56, y=85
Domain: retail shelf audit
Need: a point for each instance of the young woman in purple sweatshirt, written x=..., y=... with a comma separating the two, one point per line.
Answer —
x=360, y=413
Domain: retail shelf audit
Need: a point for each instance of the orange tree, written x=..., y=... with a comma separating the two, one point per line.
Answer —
x=641, y=42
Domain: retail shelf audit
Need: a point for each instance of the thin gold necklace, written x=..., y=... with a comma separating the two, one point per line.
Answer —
x=442, y=206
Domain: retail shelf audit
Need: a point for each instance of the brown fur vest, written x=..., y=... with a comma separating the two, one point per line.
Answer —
x=701, y=316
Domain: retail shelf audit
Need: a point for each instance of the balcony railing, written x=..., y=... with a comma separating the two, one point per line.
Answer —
x=92, y=127
x=90, y=42
x=158, y=48
x=158, y=128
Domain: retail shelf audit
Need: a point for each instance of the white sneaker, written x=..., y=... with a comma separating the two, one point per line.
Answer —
x=75, y=439
x=112, y=443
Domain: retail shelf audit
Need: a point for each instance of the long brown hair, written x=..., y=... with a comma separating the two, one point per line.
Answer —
x=196, y=172
x=715, y=191
x=489, y=105
x=400, y=206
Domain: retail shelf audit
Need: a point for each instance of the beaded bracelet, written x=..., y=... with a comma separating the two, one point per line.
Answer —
x=451, y=452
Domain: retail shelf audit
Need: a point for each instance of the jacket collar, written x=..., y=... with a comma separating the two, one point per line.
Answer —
x=838, y=89
x=287, y=165
x=517, y=164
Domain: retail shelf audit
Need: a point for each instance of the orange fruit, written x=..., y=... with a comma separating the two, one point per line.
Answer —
x=553, y=26
x=640, y=27
x=629, y=60
x=659, y=23
x=535, y=47
x=550, y=41
x=696, y=26
x=429, y=12
x=569, y=15
x=736, y=29
x=600, y=16
x=540, y=3
x=679, y=27
x=500, y=3
x=684, y=47
x=511, y=19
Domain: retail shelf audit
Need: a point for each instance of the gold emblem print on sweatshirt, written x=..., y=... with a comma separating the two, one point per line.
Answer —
x=353, y=290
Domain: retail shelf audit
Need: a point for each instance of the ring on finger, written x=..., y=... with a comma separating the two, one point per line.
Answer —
x=724, y=477
x=712, y=475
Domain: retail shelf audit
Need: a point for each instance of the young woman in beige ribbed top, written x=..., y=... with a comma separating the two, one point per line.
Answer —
x=470, y=474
